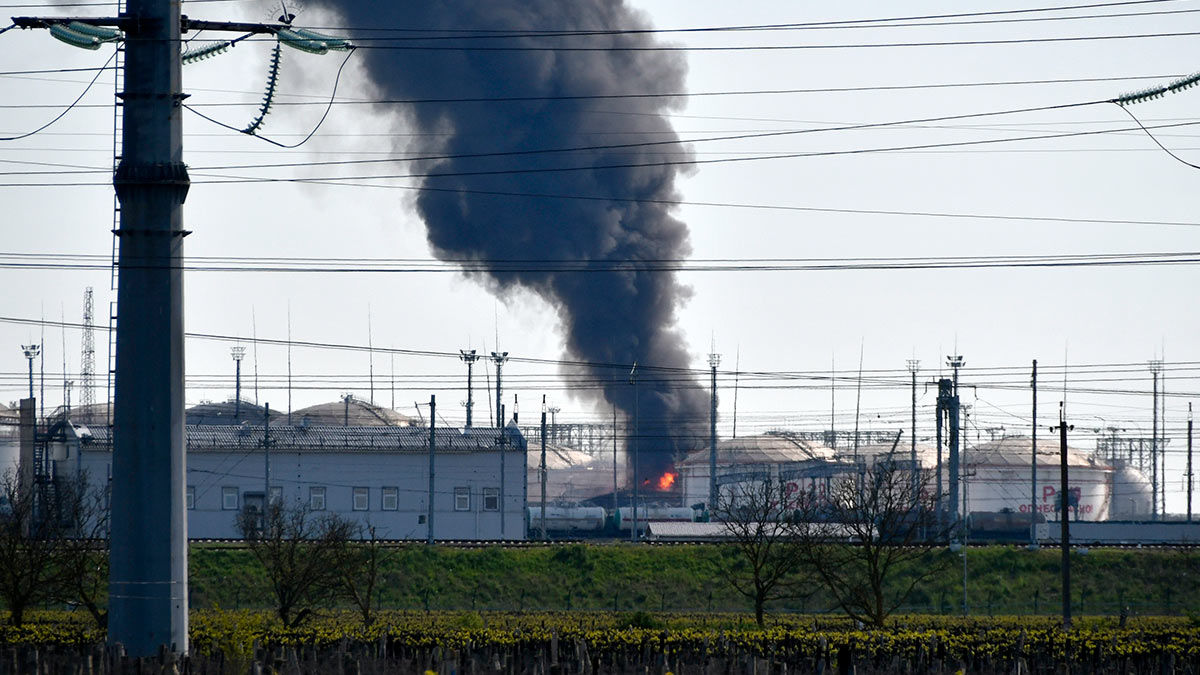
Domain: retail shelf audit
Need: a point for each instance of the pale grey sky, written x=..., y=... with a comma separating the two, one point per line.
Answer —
x=795, y=321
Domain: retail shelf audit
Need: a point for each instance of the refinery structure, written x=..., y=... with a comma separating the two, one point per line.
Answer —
x=409, y=476
x=393, y=472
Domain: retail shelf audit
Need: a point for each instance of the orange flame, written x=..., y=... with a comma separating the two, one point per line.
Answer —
x=667, y=480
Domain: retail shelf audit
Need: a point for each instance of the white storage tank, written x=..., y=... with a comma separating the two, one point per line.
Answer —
x=656, y=514
x=567, y=519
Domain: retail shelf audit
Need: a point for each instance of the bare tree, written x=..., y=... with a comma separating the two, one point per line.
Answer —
x=84, y=559
x=360, y=571
x=871, y=542
x=770, y=562
x=302, y=552
x=34, y=531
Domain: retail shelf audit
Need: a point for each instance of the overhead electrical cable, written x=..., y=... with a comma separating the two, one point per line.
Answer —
x=65, y=110
x=580, y=97
x=783, y=47
x=250, y=131
x=628, y=165
x=46, y=71
x=847, y=376
x=352, y=181
x=668, y=142
x=753, y=27
x=767, y=28
x=513, y=266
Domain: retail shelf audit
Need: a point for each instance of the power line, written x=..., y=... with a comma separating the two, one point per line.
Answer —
x=515, y=266
x=627, y=165
x=784, y=47
x=1156, y=141
x=616, y=96
x=619, y=369
x=778, y=28
x=65, y=110
x=676, y=142
x=329, y=106
x=751, y=27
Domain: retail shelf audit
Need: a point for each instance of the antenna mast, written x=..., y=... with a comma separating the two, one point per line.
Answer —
x=87, y=359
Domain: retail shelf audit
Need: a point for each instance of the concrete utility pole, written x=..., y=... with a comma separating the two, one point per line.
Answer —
x=499, y=358
x=432, y=451
x=542, y=471
x=148, y=542
x=1155, y=369
x=469, y=357
x=956, y=362
x=714, y=360
x=636, y=429
x=148, y=606
x=943, y=391
x=266, y=443
x=148, y=564
x=1189, y=464
x=1064, y=519
x=615, y=505
x=1033, y=510
x=913, y=366
x=503, y=439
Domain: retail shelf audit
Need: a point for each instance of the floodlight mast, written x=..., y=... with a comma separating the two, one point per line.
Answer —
x=238, y=352
x=31, y=353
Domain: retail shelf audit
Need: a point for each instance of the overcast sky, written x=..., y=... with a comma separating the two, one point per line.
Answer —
x=763, y=321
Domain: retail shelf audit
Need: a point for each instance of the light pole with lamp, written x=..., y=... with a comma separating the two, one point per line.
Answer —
x=31, y=353
x=237, y=352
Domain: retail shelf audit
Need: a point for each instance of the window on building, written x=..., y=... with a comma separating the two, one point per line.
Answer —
x=462, y=499
x=491, y=499
x=191, y=497
x=316, y=498
x=362, y=498
x=276, y=494
x=391, y=499
x=229, y=498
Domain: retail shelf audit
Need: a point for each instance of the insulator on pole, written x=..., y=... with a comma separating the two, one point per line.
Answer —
x=199, y=54
x=104, y=33
x=269, y=95
x=75, y=38
x=331, y=42
x=295, y=40
x=1158, y=92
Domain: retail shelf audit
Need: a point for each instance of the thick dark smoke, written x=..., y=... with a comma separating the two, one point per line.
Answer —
x=607, y=317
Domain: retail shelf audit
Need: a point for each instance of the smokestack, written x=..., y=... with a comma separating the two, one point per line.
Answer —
x=619, y=215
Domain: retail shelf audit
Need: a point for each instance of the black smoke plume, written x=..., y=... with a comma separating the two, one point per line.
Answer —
x=608, y=317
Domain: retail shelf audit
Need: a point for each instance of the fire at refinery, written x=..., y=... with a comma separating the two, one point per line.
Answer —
x=666, y=482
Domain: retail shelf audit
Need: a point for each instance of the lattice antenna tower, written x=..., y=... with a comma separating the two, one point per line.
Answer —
x=87, y=358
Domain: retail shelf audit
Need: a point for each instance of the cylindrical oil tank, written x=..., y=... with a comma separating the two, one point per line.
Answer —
x=569, y=519
x=647, y=514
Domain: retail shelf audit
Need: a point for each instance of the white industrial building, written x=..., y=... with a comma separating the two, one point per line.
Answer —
x=371, y=466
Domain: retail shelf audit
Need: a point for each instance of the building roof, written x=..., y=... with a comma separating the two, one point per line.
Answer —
x=926, y=454
x=352, y=412
x=1017, y=452
x=335, y=438
x=226, y=412
x=774, y=447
